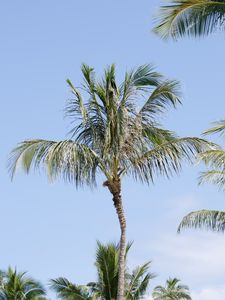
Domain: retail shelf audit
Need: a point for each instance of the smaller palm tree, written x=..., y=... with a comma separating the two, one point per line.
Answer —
x=17, y=286
x=190, y=17
x=172, y=291
x=215, y=160
x=107, y=265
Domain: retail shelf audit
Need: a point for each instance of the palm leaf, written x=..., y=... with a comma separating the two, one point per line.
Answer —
x=165, y=158
x=216, y=177
x=69, y=291
x=138, y=282
x=72, y=161
x=219, y=127
x=209, y=219
x=190, y=17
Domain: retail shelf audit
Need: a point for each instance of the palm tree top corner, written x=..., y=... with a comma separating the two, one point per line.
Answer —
x=172, y=290
x=178, y=18
x=115, y=131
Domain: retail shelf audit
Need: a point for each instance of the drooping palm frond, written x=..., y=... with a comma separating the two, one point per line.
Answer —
x=17, y=285
x=209, y=219
x=190, y=17
x=214, y=160
x=172, y=291
x=67, y=290
x=165, y=158
x=70, y=160
x=219, y=127
x=214, y=176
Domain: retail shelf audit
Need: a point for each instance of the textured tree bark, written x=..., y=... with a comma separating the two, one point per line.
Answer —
x=115, y=189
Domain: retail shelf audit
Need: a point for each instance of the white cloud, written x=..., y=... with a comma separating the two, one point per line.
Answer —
x=210, y=293
x=199, y=254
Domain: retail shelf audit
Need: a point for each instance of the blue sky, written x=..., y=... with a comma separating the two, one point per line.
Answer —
x=51, y=229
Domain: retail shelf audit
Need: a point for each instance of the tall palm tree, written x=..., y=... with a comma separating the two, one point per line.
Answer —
x=115, y=132
x=107, y=259
x=172, y=291
x=190, y=17
x=215, y=160
x=17, y=286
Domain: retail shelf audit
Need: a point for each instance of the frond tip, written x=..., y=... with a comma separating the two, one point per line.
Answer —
x=209, y=219
x=190, y=17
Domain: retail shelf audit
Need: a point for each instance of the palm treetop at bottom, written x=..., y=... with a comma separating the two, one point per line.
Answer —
x=115, y=132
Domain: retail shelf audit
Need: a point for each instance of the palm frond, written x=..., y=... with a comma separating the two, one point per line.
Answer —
x=17, y=285
x=165, y=159
x=75, y=107
x=216, y=177
x=164, y=95
x=72, y=161
x=190, y=17
x=214, y=158
x=138, y=282
x=69, y=291
x=208, y=219
x=219, y=127
x=172, y=290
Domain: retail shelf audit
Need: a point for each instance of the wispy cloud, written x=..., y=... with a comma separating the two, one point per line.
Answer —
x=210, y=293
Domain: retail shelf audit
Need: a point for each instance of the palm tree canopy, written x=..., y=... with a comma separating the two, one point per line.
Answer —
x=215, y=160
x=115, y=131
x=190, y=17
x=107, y=258
x=16, y=285
x=172, y=291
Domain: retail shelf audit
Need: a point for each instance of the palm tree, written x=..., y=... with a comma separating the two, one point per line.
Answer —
x=116, y=133
x=215, y=160
x=190, y=17
x=107, y=259
x=172, y=291
x=17, y=286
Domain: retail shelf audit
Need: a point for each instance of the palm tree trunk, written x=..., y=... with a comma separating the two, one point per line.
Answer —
x=115, y=189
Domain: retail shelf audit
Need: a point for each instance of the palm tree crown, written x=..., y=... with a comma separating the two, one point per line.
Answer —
x=190, y=17
x=107, y=265
x=17, y=286
x=172, y=291
x=115, y=132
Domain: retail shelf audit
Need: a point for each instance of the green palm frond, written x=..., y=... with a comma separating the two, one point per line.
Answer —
x=17, y=285
x=190, y=17
x=214, y=160
x=165, y=158
x=72, y=161
x=107, y=258
x=209, y=219
x=138, y=282
x=219, y=127
x=68, y=291
x=216, y=177
x=167, y=93
x=172, y=291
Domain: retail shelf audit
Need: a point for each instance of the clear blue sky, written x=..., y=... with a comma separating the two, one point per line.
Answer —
x=51, y=229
